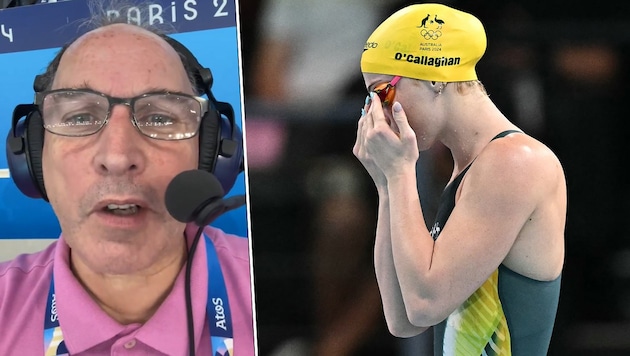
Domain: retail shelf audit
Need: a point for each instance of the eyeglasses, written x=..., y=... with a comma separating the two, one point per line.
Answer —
x=158, y=115
x=385, y=91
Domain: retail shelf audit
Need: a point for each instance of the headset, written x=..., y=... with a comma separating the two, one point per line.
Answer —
x=220, y=138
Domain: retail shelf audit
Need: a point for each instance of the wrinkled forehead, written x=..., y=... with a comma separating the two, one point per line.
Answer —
x=121, y=55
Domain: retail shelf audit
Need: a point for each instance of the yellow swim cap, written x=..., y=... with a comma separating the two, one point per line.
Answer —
x=428, y=42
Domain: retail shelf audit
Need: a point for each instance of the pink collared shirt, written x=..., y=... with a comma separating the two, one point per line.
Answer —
x=88, y=330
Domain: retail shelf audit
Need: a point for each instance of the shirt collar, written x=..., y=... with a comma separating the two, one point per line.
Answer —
x=84, y=324
x=171, y=316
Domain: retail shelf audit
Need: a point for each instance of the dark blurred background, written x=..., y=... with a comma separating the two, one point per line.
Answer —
x=557, y=69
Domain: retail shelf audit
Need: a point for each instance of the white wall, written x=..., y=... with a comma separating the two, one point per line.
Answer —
x=12, y=248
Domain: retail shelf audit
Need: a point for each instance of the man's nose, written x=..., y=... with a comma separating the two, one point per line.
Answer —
x=119, y=144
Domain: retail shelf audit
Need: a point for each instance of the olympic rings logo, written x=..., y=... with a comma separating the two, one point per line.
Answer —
x=430, y=34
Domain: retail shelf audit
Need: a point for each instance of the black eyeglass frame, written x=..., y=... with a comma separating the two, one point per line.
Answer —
x=204, y=106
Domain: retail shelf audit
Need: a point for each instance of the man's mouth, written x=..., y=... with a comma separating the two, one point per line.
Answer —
x=122, y=209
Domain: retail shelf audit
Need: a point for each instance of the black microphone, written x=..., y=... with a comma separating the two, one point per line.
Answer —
x=196, y=196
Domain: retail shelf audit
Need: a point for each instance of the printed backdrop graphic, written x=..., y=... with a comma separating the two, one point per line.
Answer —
x=30, y=36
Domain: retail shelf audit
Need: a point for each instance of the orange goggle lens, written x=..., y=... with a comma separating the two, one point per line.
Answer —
x=387, y=91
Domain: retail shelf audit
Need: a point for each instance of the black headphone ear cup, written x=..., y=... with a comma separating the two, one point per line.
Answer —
x=220, y=149
x=24, y=151
x=208, y=140
x=229, y=162
x=34, y=141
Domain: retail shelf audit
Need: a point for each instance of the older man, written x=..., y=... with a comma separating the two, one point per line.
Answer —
x=121, y=118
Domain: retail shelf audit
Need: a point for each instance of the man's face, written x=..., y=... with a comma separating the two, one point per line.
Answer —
x=107, y=189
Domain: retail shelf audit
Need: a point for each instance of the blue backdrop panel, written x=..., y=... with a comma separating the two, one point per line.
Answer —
x=30, y=36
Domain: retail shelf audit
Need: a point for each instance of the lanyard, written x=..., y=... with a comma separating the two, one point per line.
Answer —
x=218, y=307
x=217, y=310
x=53, y=337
